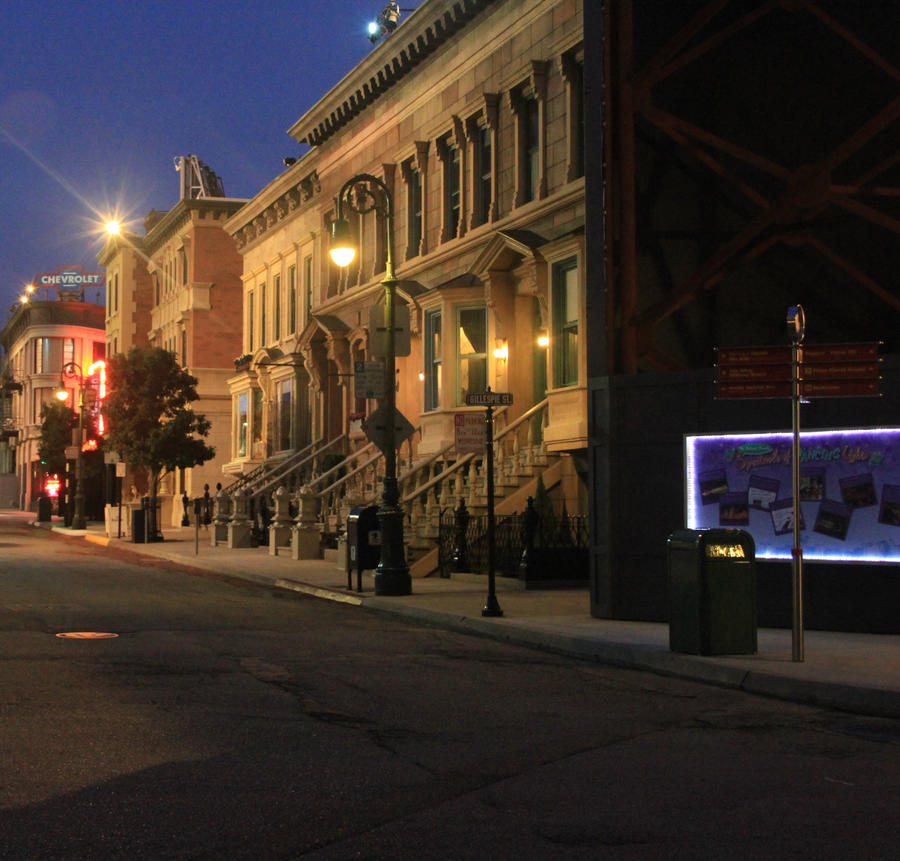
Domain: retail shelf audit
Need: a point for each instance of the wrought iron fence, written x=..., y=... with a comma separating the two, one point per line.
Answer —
x=529, y=545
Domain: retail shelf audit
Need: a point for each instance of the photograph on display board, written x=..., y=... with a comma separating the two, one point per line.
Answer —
x=782, y=512
x=833, y=519
x=890, y=505
x=762, y=492
x=712, y=485
x=858, y=491
x=733, y=509
x=812, y=483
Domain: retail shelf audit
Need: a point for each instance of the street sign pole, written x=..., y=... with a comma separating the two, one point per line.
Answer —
x=491, y=607
x=797, y=323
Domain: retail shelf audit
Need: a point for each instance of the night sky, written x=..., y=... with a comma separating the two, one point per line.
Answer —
x=97, y=99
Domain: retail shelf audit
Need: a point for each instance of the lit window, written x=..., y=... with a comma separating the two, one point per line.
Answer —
x=433, y=360
x=565, y=318
x=471, y=345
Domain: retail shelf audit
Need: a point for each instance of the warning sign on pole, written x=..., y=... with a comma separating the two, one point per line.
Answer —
x=470, y=433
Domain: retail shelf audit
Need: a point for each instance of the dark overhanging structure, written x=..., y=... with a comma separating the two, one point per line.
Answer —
x=751, y=161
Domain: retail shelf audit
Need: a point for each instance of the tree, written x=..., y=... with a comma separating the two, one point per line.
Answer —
x=57, y=421
x=150, y=423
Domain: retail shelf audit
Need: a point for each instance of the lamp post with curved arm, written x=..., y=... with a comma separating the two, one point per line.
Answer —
x=366, y=193
x=73, y=369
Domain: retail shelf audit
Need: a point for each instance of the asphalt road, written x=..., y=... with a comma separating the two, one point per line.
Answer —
x=233, y=721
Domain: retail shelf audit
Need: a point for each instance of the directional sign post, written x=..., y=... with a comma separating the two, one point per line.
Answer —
x=798, y=372
x=489, y=400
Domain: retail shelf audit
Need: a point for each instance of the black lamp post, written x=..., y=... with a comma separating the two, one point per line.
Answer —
x=73, y=369
x=364, y=193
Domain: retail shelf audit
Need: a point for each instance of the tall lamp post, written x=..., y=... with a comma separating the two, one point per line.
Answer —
x=73, y=369
x=364, y=193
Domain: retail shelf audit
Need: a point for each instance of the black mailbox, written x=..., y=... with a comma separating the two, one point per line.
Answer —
x=712, y=592
x=363, y=542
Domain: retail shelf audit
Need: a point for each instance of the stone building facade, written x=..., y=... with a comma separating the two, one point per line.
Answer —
x=471, y=114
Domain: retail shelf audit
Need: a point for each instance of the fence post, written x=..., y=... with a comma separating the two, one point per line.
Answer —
x=531, y=519
x=460, y=545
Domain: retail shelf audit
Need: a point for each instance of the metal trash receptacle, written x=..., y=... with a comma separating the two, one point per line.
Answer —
x=712, y=592
x=138, y=516
x=44, y=509
x=363, y=540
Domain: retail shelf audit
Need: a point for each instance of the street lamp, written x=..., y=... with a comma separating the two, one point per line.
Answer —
x=364, y=193
x=73, y=369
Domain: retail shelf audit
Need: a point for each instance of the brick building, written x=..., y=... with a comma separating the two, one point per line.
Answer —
x=178, y=287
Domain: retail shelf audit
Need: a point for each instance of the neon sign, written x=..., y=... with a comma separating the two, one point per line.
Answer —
x=849, y=491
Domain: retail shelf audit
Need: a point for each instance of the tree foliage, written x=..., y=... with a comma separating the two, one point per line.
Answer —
x=150, y=423
x=57, y=421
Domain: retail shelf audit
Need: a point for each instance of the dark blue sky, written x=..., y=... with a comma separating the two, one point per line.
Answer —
x=100, y=97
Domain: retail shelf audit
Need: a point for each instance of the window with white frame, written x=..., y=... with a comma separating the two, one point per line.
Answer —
x=263, y=335
x=242, y=427
x=251, y=308
x=433, y=360
x=276, y=298
x=471, y=351
x=292, y=299
x=566, y=302
x=284, y=398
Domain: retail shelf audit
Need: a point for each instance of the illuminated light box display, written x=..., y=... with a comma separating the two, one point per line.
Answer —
x=849, y=491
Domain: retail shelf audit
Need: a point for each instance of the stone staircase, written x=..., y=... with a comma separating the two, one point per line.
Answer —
x=316, y=502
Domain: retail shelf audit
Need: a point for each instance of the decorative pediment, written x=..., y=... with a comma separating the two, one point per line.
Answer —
x=506, y=250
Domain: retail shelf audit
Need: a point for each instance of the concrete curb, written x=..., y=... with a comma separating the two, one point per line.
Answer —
x=862, y=699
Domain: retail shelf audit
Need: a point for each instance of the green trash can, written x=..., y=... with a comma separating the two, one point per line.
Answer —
x=712, y=592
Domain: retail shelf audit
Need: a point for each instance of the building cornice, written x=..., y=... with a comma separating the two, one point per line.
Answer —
x=416, y=39
x=272, y=206
x=180, y=214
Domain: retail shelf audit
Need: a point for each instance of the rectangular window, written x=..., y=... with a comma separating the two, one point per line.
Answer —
x=116, y=293
x=308, y=286
x=414, y=212
x=471, y=346
x=51, y=354
x=184, y=267
x=263, y=340
x=451, y=192
x=292, y=300
x=565, y=323
x=184, y=359
x=276, y=286
x=242, y=425
x=433, y=360
x=531, y=147
x=284, y=395
x=483, y=188
x=256, y=422
x=250, y=321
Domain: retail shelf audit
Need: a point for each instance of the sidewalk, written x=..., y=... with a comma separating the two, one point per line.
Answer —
x=858, y=673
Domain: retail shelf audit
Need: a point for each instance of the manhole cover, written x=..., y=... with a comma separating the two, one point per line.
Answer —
x=87, y=635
